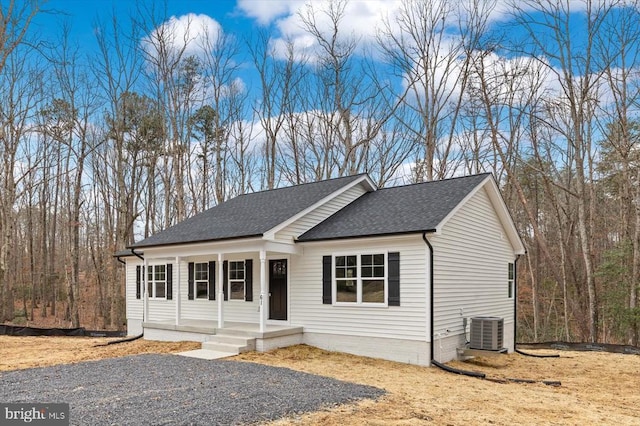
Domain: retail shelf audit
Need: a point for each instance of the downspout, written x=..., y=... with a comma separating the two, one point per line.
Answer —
x=431, y=304
x=138, y=255
x=432, y=343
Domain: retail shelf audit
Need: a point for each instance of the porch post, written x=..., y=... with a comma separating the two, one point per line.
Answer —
x=145, y=292
x=220, y=291
x=177, y=292
x=263, y=290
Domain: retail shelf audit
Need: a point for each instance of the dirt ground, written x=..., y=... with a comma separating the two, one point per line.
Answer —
x=596, y=388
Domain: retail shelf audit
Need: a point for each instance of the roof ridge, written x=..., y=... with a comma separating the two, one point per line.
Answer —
x=436, y=181
x=301, y=184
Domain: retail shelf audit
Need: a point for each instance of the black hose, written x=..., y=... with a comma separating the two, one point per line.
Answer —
x=479, y=375
x=127, y=339
x=456, y=371
x=536, y=355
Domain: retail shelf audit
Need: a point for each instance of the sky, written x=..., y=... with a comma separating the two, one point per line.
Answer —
x=243, y=18
x=238, y=17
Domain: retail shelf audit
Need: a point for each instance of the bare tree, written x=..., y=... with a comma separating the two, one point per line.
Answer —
x=224, y=94
x=16, y=18
x=351, y=107
x=618, y=45
x=574, y=110
x=417, y=45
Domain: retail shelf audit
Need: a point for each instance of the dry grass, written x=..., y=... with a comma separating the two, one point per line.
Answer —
x=597, y=388
x=24, y=352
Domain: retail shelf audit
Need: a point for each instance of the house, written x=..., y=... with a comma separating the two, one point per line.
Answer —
x=339, y=264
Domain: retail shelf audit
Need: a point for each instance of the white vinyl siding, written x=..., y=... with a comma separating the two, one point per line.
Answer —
x=202, y=309
x=135, y=306
x=407, y=321
x=471, y=274
x=316, y=216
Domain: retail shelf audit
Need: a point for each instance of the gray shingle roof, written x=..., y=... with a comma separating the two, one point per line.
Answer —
x=247, y=215
x=396, y=210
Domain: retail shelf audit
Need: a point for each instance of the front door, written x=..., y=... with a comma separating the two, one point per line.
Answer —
x=278, y=289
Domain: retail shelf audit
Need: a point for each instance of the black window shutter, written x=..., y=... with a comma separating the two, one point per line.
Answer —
x=169, y=281
x=191, y=269
x=212, y=280
x=225, y=279
x=394, y=278
x=138, y=281
x=248, y=280
x=327, y=298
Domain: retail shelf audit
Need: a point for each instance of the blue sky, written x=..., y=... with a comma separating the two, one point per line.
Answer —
x=82, y=15
x=241, y=18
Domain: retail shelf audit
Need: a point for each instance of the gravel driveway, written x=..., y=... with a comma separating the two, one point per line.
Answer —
x=176, y=390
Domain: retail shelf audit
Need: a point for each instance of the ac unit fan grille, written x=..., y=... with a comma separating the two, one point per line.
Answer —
x=487, y=333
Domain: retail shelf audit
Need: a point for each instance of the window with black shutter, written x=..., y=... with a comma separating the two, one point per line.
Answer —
x=361, y=279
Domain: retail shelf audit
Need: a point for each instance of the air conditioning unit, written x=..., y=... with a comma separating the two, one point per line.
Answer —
x=487, y=333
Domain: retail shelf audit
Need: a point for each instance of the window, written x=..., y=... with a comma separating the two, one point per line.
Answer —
x=360, y=278
x=511, y=279
x=236, y=280
x=201, y=280
x=157, y=281
x=346, y=279
x=372, y=267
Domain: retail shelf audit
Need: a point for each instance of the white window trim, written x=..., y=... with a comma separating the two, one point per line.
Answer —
x=243, y=281
x=195, y=281
x=359, y=302
x=152, y=295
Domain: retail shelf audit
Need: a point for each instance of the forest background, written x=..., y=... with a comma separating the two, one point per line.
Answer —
x=171, y=115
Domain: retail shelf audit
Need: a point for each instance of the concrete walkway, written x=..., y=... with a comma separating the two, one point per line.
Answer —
x=206, y=354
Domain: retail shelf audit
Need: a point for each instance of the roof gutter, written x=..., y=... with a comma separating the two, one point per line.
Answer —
x=180, y=243
x=372, y=235
x=133, y=252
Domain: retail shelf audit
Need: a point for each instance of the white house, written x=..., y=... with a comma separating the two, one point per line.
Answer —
x=391, y=273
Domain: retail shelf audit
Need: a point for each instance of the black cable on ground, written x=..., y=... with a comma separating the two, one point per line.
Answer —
x=524, y=381
x=456, y=371
x=537, y=355
x=115, y=342
x=479, y=375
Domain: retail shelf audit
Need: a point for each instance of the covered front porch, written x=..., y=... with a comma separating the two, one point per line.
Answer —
x=240, y=285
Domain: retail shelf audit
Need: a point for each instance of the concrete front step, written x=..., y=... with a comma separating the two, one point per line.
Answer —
x=232, y=340
x=232, y=344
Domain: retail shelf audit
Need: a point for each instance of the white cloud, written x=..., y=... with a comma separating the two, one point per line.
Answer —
x=362, y=19
x=188, y=34
x=266, y=11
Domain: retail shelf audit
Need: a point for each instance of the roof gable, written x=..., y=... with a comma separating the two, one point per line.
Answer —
x=249, y=215
x=397, y=210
